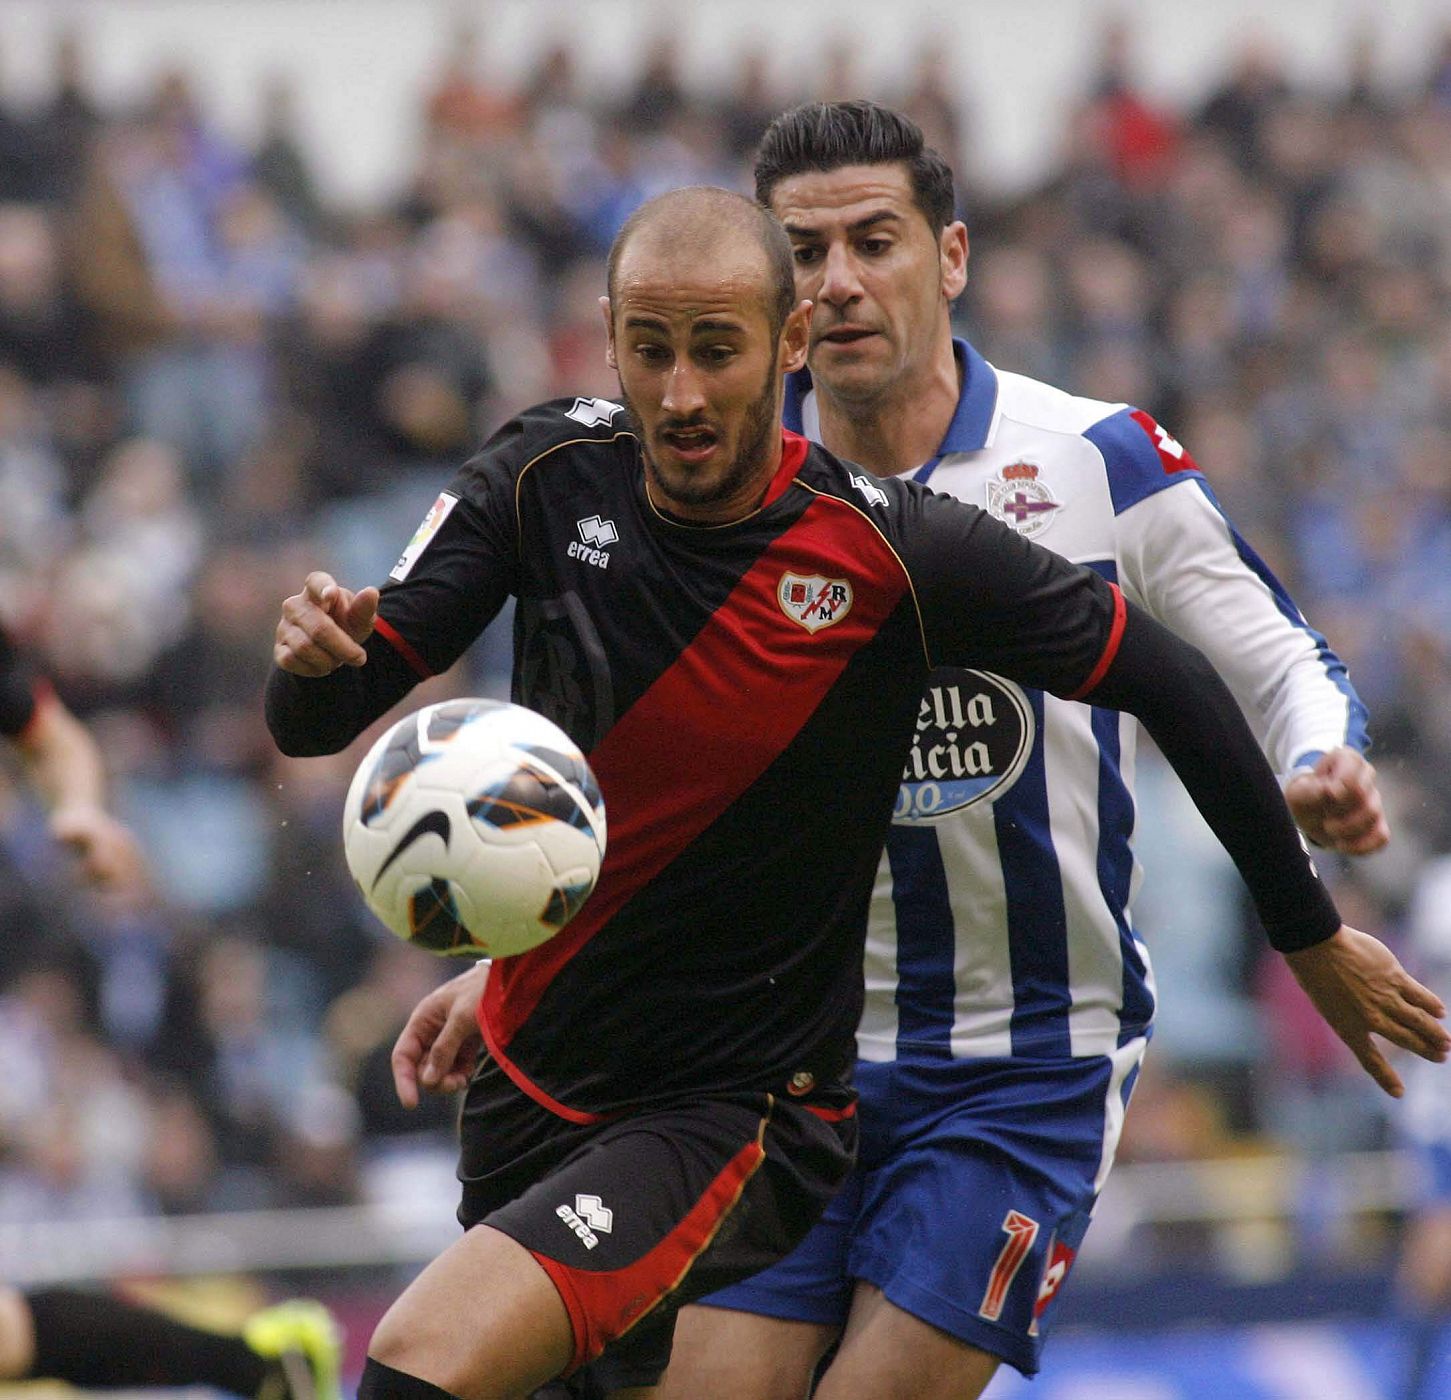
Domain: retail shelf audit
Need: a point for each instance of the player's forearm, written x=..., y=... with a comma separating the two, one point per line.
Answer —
x=62, y=760
x=308, y=716
x=1189, y=566
x=1194, y=719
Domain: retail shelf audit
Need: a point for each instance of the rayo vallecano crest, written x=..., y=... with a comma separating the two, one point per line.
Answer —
x=813, y=601
x=1019, y=499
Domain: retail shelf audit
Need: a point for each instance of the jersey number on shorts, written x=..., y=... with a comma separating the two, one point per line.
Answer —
x=1021, y=1232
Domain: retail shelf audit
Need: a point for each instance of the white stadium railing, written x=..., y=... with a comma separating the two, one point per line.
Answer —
x=407, y=1231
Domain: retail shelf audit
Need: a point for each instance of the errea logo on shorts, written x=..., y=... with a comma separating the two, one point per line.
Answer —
x=595, y=537
x=587, y=1215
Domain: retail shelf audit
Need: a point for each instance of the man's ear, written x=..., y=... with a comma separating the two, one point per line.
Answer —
x=796, y=337
x=953, y=250
x=609, y=334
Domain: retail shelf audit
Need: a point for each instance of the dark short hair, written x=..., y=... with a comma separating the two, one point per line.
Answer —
x=734, y=210
x=825, y=136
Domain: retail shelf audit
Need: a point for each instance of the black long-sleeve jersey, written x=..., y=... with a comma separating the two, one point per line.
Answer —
x=746, y=694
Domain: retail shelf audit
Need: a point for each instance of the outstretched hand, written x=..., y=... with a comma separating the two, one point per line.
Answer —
x=109, y=855
x=1360, y=988
x=438, y=1046
x=1337, y=804
x=324, y=627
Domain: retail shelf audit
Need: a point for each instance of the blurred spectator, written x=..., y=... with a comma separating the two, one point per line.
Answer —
x=1237, y=109
x=463, y=105
x=658, y=95
x=1137, y=137
x=932, y=101
x=67, y=123
x=748, y=107
x=278, y=164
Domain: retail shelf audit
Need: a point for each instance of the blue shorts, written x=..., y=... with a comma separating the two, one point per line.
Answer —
x=972, y=1193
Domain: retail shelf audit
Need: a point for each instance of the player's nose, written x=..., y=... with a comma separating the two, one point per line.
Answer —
x=840, y=284
x=684, y=393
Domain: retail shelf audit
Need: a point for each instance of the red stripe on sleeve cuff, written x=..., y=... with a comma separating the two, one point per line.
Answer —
x=1110, y=647
x=390, y=635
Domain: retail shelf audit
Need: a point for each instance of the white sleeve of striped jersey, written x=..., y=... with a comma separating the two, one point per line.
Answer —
x=1178, y=558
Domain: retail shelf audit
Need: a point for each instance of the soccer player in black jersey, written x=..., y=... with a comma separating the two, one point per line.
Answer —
x=736, y=626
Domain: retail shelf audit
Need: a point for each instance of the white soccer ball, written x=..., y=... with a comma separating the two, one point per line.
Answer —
x=474, y=827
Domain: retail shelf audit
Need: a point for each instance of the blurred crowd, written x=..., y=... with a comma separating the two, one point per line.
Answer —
x=211, y=380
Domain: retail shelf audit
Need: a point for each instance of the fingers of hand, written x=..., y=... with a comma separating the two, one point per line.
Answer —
x=448, y=1049
x=404, y=1062
x=320, y=588
x=1423, y=997
x=1419, y=1033
x=1413, y=1024
x=301, y=657
x=1378, y=1067
x=310, y=642
x=361, y=611
x=409, y=1052
x=1349, y=782
x=1358, y=832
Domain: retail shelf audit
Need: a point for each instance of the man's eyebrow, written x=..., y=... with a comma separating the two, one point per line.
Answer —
x=642, y=320
x=881, y=216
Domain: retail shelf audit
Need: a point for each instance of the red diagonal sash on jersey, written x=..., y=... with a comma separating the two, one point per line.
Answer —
x=749, y=681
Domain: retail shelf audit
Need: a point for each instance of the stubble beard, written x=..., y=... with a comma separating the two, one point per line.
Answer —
x=758, y=429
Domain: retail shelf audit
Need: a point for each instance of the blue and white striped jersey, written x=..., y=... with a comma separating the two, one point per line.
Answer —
x=1000, y=922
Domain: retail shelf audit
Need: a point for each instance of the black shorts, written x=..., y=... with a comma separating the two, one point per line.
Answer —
x=640, y=1214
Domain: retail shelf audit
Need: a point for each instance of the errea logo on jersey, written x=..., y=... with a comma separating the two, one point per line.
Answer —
x=593, y=412
x=595, y=537
x=587, y=1215
x=874, y=494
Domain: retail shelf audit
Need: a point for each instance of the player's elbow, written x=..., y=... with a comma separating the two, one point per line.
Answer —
x=1158, y=675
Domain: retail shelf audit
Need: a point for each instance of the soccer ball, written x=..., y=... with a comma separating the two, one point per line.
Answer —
x=474, y=828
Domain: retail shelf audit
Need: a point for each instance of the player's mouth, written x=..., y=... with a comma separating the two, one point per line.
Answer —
x=846, y=335
x=690, y=444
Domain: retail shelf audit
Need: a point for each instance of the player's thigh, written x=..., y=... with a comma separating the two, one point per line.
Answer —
x=666, y=1206
x=888, y=1354
x=762, y=1337
x=719, y=1351
x=483, y=1321
x=972, y=1221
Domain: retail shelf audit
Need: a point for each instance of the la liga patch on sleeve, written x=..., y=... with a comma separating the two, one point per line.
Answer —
x=432, y=524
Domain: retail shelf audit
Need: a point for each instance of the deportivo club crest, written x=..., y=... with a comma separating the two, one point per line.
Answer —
x=813, y=601
x=1019, y=499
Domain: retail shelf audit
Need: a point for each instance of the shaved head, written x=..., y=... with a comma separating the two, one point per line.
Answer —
x=704, y=227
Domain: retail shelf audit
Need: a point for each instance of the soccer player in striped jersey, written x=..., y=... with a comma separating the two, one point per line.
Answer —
x=1009, y=997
